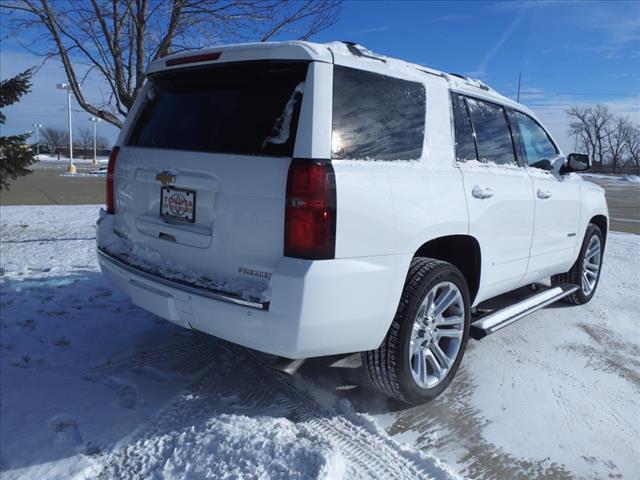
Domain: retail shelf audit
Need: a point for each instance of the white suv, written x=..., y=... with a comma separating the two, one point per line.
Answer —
x=307, y=200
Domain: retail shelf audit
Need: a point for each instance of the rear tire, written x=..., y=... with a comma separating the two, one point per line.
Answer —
x=586, y=271
x=426, y=341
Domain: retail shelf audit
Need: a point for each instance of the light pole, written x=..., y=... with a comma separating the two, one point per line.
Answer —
x=95, y=121
x=38, y=127
x=71, y=168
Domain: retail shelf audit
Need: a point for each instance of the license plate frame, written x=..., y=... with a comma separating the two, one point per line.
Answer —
x=178, y=204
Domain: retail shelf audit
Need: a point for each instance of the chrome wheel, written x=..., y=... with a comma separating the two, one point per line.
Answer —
x=591, y=265
x=437, y=334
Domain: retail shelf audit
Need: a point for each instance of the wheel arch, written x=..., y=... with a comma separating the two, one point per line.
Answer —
x=462, y=251
x=601, y=222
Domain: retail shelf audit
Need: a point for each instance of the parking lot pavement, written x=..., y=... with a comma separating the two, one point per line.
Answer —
x=623, y=198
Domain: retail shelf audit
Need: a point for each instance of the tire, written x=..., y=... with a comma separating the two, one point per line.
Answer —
x=391, y=368
x=574, y=276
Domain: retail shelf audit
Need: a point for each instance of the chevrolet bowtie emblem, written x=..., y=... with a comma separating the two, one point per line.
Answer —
x=165, y=178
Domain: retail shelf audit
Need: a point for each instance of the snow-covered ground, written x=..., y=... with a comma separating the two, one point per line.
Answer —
x=92, y=386
x=612, y=177
x=44, y=157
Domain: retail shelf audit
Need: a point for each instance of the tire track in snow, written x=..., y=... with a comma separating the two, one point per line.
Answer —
x=256, y=389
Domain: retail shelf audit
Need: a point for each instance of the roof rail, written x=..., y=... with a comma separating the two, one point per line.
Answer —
x=473, y=82
x=357, y=50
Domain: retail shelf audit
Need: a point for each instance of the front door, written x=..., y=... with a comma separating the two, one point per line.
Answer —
x=557, y=201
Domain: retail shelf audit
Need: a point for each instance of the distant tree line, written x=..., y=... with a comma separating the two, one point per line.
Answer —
x=55, y=141
x=612, y=141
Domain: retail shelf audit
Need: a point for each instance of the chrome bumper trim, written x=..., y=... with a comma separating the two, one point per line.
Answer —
x=184, y=286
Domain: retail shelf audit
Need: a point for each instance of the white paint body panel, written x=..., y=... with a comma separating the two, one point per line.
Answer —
x=502, y=224
x=385, y=212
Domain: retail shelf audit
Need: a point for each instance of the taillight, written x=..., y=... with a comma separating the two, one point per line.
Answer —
x=310, y=212
x=111, y=204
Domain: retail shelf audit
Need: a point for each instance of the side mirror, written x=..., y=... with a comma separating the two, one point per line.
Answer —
x=576, y=162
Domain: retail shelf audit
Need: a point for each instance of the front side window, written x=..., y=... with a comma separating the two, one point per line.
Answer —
x=247, y=108
x=465, y=145
x=376, y=117
x=493, y=137
x=538, y=148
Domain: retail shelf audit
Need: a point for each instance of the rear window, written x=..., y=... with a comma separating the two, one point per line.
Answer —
x=376, y=117
x=248, y=108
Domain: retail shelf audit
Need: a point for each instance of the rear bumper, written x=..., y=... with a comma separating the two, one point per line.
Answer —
x=317, y=308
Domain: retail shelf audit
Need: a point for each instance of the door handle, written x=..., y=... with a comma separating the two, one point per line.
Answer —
x=482, y=192
x=543, y=194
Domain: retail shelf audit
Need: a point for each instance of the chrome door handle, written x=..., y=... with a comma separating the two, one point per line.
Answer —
x=543, y=194
x=482, y=192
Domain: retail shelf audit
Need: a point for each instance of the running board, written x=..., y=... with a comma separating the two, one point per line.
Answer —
x=499, y=319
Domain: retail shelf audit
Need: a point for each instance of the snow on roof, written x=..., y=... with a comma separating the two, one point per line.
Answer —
x=327, y=51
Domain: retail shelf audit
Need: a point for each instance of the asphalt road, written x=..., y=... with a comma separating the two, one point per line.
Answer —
x=623, y=199
x=47, y=186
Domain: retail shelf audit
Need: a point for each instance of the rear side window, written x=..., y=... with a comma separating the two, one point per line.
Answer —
x=465, y=145
x=493, y=137
x=376, y=117
x=248, y=108
x=535, y=141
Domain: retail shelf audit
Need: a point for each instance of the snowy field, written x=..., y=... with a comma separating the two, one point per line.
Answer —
x=94, y=387
x=47, y=158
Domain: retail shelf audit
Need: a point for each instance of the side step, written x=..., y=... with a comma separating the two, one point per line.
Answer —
x=499, y=319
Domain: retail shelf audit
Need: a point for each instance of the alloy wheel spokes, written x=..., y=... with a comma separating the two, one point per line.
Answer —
x=437, y=334
x=591, y=265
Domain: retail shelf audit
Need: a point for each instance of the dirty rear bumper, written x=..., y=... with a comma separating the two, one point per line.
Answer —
x=316, y=308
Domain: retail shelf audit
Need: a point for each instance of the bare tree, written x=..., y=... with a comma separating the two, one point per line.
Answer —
x=115, y=39
x=84, y=140
x=53, y=138
x=102, y=143
x=588, y=125
x=615, y=133
x=632, y=144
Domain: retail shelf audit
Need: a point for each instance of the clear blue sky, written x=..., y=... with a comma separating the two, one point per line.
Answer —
x=568, y=53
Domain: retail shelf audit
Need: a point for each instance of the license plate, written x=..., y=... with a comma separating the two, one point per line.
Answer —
x=178, y=204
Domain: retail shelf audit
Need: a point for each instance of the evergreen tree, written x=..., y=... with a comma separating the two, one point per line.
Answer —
x=15, y=155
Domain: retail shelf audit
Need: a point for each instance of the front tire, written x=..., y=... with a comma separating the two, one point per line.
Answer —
x=586, y=271
x=427, y=338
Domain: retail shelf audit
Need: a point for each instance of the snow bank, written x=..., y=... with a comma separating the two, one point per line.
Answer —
x=614, y=178
x=631, y=178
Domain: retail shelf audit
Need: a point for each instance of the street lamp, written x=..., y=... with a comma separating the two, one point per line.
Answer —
x=95, y=121
x=71, y=168
x=38, y=127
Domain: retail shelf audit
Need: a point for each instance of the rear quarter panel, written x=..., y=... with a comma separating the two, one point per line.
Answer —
x=394, y=207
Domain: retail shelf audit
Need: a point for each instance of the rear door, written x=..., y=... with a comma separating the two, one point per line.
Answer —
x=201, y=176
x=557, y=201
x=498, y=192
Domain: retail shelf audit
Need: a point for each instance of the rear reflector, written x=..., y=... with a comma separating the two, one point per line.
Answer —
x=192, y=59
x=310, y=211
x=111, y=167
